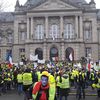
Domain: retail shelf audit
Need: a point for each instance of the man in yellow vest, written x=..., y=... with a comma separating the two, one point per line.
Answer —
x=27, y=83
x=42, y=90
x=64, y=86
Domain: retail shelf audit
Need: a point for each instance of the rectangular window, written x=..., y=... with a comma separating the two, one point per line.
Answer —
x=22, y=35
x=87, y=30
x=10, y=38
x=8, y=54
x=22, y=53
x=88, y=51
x=68, y=32
x=39, y=31
x=54, y=31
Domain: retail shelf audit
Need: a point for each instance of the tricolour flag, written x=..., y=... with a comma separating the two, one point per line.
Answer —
x=10, y=63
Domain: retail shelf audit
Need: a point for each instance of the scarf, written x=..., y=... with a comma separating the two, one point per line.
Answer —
x=37, y=88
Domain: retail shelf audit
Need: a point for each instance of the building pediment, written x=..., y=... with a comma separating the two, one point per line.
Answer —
x=54, y=5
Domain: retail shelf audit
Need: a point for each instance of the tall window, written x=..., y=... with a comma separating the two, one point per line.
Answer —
x=8, y=54
x=39, y=31
x=22, y=35
x=10, y=38
x=22, y=53
x=87, y=30
x=88, y=51
x=54, y=31
x=68, y=32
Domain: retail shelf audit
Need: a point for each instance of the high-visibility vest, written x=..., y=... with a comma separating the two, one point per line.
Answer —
x=39, y=75
x=27, y=79
x=65, y=83
x=58, y=81
x=51, y=93
x=19, y=78
x=98, y=84
x=52, y=89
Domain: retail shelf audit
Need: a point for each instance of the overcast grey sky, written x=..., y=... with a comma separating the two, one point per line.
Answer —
x=13, y=2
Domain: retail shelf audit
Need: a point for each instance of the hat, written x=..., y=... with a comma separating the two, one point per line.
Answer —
x=45, y=73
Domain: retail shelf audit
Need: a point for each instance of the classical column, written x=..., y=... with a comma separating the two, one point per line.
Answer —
x=81, y=27
x=28, y=28
x=16, y=33
x=62, y=51
x=76, y=26
x=46, y=27
x=32, y=29
x=61, y=26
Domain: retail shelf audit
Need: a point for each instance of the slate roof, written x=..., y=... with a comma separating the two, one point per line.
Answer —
x=6, y=16
x=38, y=2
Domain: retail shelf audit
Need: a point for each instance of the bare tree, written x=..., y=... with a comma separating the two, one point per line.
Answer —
x=4, y=4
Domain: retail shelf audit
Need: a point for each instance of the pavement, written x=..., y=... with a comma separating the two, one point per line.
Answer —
x=13, y=95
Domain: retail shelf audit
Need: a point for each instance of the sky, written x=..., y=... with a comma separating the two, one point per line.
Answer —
x=13, y=2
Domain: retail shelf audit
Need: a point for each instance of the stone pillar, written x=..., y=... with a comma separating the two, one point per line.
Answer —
x=46, y=27
x=32, y=27
x=81, y=27
x=62, y=52
x=28, y=23
x=61, y=26
x=44, y=51
x=16, y=33
x=76, y=26
x=94, y=30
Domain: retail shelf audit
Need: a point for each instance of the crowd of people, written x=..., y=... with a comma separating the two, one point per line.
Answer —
x=43, y=82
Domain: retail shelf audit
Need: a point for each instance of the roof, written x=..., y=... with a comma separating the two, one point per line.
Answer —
x=6, y=16
x=38, y=2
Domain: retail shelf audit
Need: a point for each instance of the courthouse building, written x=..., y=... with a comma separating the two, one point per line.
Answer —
x=51, y=28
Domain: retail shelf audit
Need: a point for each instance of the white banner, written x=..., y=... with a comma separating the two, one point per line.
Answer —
x=33, y=58
x=41, y=61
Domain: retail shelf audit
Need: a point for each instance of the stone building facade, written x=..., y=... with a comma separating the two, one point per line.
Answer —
x=51, y=28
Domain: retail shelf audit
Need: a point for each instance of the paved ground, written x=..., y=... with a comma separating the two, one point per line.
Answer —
x=12, y=95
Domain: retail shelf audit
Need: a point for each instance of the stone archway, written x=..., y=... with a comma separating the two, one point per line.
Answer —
x=39, y=52
x=54, y=54
x=69, y=54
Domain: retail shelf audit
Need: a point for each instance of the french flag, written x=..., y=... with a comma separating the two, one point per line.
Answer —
x=10, y=63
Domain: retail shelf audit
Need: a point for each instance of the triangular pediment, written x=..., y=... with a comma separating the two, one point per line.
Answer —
x=54, y=5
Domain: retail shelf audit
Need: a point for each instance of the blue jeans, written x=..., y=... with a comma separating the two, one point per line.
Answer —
x=20, y=88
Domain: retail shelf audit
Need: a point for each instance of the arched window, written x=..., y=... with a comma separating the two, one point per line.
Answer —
x=53, y=53
x=39, y=52
x=69, y=54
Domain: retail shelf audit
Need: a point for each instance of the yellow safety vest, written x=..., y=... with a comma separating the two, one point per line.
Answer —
x=39, y=75
x=98, y=84
x=65, y=83
x=27, y=79
x=19, y=78
x=58, y=81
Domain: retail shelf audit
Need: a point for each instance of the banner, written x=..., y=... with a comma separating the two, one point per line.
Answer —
x=33, y=58
x=41, y=61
